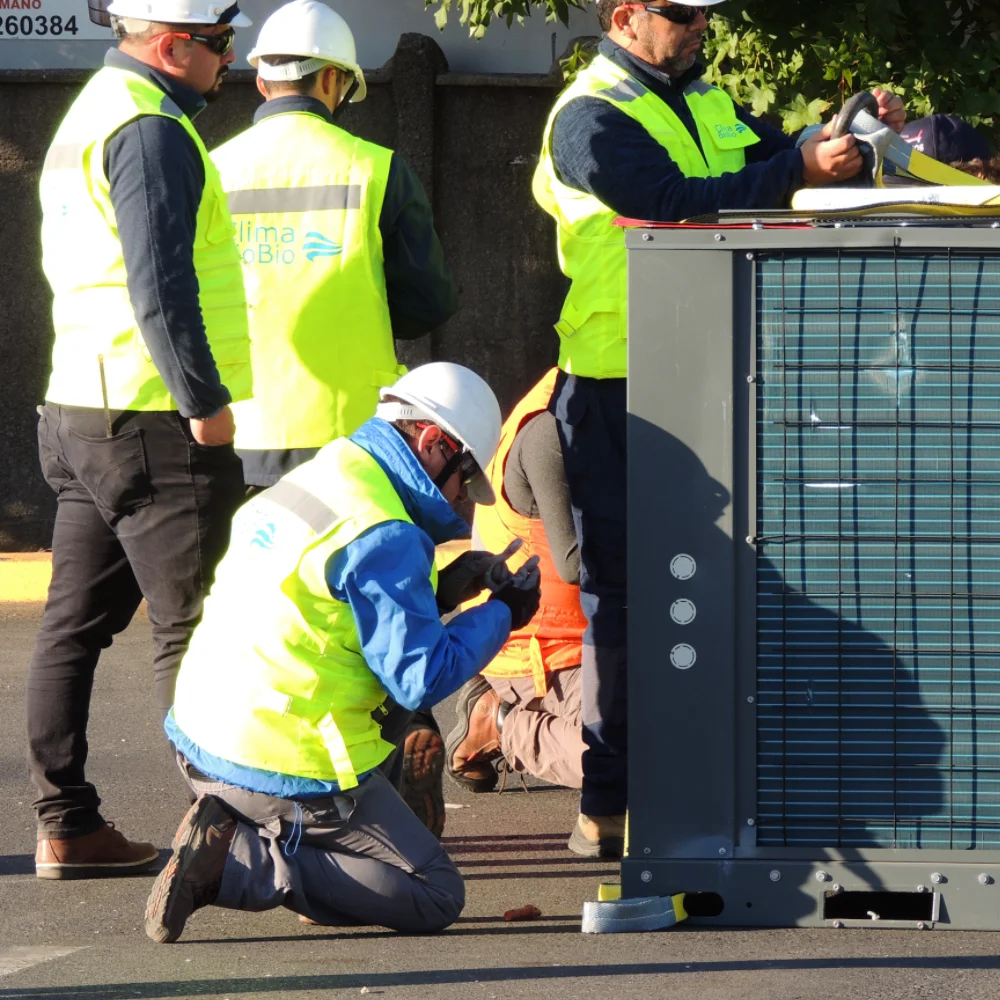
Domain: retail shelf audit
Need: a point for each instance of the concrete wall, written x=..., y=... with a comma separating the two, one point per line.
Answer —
x=473, y=140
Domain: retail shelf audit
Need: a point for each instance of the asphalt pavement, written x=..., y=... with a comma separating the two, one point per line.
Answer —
x=61, y=940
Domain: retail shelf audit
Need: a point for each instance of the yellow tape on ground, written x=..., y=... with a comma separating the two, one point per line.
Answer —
x=24, y=577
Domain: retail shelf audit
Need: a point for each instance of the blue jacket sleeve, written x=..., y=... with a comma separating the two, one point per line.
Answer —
x=384, y=575
x=418, y=283
x=157, y=179
x=601, y=150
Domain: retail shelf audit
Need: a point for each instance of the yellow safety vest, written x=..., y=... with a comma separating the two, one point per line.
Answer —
x=83, y=260
x=274, y=677
x=593, y=326
x=306, y=197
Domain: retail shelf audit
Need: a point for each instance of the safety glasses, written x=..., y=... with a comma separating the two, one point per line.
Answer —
x=676, y=13
x=219, y=44
x=467, y=466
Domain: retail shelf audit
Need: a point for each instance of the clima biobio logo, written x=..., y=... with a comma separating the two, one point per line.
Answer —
x=282, y=245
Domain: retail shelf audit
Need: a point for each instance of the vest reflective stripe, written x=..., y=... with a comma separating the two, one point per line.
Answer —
x=329, y=197
x=302, y=504
x=306, y=197
x=593, y=325
x=83, y=260
x=553, y=640
x=274, y=677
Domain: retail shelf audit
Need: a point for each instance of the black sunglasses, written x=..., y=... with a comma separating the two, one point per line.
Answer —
x=467, y=466
x=676, y=13
x=219, y=44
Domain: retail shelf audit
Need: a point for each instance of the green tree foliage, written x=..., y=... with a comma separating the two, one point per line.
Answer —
x=477, y=14
x=795, y=60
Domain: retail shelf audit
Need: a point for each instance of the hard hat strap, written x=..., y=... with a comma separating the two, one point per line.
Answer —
x=346, y=99
x=291, y=70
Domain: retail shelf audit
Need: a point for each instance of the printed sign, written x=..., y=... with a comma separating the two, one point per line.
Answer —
x=49, y=21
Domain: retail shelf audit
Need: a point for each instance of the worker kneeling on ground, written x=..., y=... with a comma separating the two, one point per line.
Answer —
x=523, y=712
x=340, y=257
x=323, y=607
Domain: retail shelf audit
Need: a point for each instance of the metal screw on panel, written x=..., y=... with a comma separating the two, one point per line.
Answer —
x=937, y=878
x=647, y=237
x=775, y=875
x=722, y=852
x=822, y=876
x=921, y=926
x=751, y=700
x=751, y=539
x=750, y=255
x=837, y=887
x=719, y=238
x=838, y=924
x=646, y=876
x=985, y=879
x=921, y=888
x=751, y=379
x=751, y=822
x=647, y=850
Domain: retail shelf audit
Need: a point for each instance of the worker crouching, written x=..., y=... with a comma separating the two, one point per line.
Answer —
x=323, y=608
x=524, y=712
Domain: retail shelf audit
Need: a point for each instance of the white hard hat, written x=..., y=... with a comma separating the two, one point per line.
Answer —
x=181, y=11
x=314, y=31
x=459, y=402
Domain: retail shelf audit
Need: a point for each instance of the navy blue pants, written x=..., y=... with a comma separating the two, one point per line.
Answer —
x=591, y=415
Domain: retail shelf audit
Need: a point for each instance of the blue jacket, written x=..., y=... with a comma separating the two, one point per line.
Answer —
x=384, y=575
x=601, y=150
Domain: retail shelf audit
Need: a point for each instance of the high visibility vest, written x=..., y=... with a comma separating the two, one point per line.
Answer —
x=274, y=677
x=593, y=325
x=83, y=260
x=306, y=197
x=553, y=639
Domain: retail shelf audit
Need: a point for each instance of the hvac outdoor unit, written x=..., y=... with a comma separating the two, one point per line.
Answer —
x=814, y=575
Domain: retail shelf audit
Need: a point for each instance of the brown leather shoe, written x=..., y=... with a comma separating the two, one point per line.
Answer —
x=193, y=875
x=423, y=765
x=474, y=744
x=105, y=853
x=598, y=836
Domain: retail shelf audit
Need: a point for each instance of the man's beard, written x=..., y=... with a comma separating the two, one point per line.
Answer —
x=216, y=92
x=678, y=65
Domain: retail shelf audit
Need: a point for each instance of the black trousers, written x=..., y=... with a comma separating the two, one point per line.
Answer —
x=591, y=416
x=143, y=513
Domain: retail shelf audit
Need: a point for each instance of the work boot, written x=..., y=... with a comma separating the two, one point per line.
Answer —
x=473, y=745
x=423, y=766
x=598, y=836
x=104, y=853
x=193, y=875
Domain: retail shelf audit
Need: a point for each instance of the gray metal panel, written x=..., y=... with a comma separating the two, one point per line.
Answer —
x=777, y=894
x=680, y=489
x=692, y=346
x=824, y=238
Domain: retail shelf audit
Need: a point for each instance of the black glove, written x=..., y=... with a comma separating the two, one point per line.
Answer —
x=522, y=601
x=463, y=579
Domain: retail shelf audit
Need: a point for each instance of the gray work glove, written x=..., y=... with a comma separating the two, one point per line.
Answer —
x=463, y=579
x=470, y=574
x=520, y=591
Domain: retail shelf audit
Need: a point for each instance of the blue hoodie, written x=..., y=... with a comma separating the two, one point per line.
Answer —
x=384, y=574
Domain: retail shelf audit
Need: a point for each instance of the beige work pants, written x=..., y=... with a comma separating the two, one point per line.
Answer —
x=543, y=736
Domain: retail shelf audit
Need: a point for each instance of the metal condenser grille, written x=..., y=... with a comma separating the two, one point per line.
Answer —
x=878, y=570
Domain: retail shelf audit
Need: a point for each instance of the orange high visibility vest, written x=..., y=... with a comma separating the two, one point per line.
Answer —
x=553, y=639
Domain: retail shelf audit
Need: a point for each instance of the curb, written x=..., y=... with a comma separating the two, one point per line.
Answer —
x=25, y=576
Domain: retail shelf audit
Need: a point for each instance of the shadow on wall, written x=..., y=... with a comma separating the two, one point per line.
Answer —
x=472, y=140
